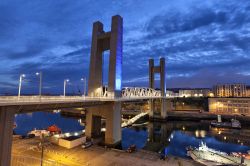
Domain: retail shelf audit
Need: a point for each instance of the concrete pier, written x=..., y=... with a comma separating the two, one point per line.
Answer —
x=6, y=131
x=112, y=114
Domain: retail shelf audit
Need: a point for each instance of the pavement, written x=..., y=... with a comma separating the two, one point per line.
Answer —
x=93, y=156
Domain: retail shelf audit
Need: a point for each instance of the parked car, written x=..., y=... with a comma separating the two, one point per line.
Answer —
x=87, y=145
x=131, y=149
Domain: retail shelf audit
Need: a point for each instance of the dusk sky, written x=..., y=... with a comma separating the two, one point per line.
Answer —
x=205, y=42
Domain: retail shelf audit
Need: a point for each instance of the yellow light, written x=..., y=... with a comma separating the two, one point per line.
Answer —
x=211, y=94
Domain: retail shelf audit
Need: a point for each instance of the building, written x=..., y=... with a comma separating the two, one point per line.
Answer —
x=194, y=92
x=230, y=90
x=170, y=93
x=229, y=105
x=248, y=91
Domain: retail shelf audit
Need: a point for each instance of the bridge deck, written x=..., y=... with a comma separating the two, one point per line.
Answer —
x=31, y=100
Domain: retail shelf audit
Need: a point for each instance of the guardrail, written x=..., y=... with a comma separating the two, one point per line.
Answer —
x=51, y=99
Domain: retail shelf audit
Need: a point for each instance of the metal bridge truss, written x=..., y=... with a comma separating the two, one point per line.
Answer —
x=134, y=92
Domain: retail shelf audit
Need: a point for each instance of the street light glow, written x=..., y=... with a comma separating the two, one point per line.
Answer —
x=20, y=85
x=85, y=82
x=64, y=87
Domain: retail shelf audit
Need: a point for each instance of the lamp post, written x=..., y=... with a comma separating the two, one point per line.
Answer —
x=64, y=90
x=40, y=83
x=41, y=144
x=20, y=84
x=85, y=85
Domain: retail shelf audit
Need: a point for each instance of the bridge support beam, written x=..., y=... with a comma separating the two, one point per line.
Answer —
x=6, y=132
x=112, y=114
x=161, y=70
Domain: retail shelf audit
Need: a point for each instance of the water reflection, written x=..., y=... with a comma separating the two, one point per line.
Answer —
x=42, y=120
x=173, y=137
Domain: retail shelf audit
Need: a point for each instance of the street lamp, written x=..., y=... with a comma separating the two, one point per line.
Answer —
x=41, y=144
x=40, y=83
x=20, y=84
x=85, y=84
x=65, y=83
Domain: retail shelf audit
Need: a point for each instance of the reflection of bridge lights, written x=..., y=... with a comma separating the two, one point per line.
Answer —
x=169, y=140
x=56, y=111
x=172, y=136
x=200, y=133
x=241, y=143
x=183, y=128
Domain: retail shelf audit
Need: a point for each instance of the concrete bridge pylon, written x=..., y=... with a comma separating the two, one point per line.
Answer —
x=152, y=103
x=102, y=41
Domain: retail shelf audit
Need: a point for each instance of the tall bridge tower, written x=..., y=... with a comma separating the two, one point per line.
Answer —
x=102, y=41
x=152, y=71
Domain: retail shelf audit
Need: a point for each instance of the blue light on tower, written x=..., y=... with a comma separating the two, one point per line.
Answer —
x=118, y=81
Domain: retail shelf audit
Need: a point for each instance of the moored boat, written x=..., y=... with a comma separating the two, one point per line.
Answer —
x=233, y=124
x=209, y=156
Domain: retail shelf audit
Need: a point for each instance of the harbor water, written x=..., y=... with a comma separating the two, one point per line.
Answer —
x=172, y=137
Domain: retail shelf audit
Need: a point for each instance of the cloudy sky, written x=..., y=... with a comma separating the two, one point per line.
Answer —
x=204, y=42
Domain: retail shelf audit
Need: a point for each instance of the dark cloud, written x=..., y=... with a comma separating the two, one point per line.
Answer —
x=180, y=21
x=31, y=49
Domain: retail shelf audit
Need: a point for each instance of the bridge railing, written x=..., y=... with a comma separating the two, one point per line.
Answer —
x=50, y=98
x=128, y=93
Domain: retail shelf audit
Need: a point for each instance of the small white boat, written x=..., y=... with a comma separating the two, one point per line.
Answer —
x=38, y=133
x=211, y=157
x=233, y=124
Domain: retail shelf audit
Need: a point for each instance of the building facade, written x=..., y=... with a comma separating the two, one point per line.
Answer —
x=248, y=91
x=230, y=90
x=229, y=106
x=194, y=92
